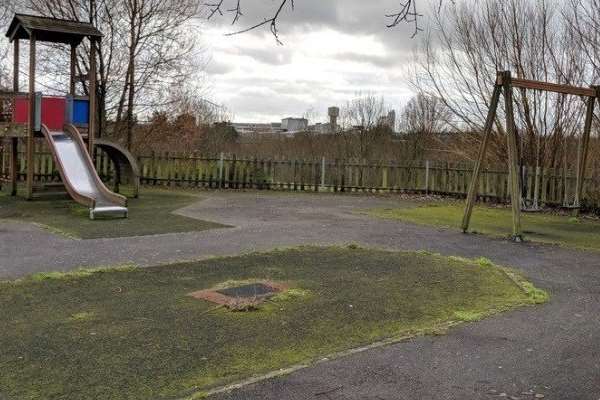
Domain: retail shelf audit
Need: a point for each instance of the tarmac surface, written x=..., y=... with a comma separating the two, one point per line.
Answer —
x=550, y=351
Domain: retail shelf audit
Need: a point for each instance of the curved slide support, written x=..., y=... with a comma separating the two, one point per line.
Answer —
x=78, y=174
x=125, y=163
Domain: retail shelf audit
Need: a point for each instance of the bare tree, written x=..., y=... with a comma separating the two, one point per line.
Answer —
x=424, y=121
x=190, y=101
x=157, y=44
x=189, y=123
x=460, y=56
x=363, y=124
x=583, y=19
x=6, y=11
x=148, y=46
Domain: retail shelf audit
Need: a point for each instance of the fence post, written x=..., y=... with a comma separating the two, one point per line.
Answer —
x=427, y=177
x=221, y=159
x=14, y=154
x=522, y=173
x=323, y=174
x=536, y=188
x=384, y=178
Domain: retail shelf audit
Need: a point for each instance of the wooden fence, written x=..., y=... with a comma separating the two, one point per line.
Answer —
x=554, y=186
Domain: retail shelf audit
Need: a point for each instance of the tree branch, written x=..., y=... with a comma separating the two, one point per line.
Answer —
x=406, y=14
x=218, y=8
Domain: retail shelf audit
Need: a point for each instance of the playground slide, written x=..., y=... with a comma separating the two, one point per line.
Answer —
x=79, y=175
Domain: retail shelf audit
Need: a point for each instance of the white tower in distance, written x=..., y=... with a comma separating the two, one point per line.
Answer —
x=334, y=113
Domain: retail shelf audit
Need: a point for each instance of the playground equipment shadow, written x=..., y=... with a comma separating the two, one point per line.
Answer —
x=136, y=333
x=151, y=214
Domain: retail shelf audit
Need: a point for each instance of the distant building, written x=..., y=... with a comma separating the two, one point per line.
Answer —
x=323, y=128
x=287, y=126
x=292, y=125
x=246, y=129
x=388, y=120
x=334, y=113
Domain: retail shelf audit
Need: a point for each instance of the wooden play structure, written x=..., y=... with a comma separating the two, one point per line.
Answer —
x=67, y=123
x=505, y=84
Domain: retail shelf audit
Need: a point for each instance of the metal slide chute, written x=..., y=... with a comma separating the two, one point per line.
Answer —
x=79, y=175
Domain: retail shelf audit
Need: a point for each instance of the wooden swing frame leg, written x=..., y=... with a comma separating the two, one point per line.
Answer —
x=582, y=153
x=513, y=158
x=503, y=83
x=489, y=123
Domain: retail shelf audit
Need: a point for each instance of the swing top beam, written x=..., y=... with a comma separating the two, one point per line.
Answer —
x=547, y=86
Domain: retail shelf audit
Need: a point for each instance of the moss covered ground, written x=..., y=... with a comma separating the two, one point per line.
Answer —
x=150, y=214
x=563, y=230
x=134, y=333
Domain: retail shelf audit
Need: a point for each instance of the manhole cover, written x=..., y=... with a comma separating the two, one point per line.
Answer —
x=248, y=291
x=236, y=297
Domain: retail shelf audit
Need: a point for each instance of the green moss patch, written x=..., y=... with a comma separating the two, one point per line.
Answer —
x=134, y=333
x=538, y=227
x=150, y=214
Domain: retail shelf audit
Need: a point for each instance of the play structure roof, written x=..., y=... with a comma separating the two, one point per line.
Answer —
x=48, y=29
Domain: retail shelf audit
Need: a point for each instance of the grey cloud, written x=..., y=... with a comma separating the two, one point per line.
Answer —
x=257, y=103
x=266, y=54
x=389, y=60
x=272, y=56
x=264, y=97
x=216, y=67
x=347, y=16
x=284, y=90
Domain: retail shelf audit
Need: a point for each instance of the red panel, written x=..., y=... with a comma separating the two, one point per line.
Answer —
x=53, y=112
x=21, y=110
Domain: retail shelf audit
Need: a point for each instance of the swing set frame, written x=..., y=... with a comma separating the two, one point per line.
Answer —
x=504, y=85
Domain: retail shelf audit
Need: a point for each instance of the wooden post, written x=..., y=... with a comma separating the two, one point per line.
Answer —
x=92, y=93
x=14, y=146
x=513, y=162
x=427, y=177
x=384, y=178
x=489, y=123
x=30, y=130
x=73, y=65
x=14, y=142
x=582, y=153
x=323, y=174
x=565, y=183
x=221, y=162
x=16, y=66
x=536, y=188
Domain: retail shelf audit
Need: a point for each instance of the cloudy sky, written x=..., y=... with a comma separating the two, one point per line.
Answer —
x=332, y=50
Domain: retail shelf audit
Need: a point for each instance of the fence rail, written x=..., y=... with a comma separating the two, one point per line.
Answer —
x=553, y=186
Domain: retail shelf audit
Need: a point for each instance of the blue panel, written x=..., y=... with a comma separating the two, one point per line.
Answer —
x=81, y=112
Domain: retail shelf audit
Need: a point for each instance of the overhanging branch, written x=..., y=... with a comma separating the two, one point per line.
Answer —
x=218, y=8
x=407, y=13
